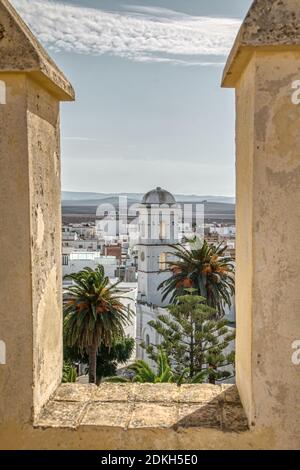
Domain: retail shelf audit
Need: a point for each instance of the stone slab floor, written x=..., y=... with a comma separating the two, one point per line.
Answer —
x=132, y=406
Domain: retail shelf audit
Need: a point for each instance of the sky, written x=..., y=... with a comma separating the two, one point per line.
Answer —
x=149, y=108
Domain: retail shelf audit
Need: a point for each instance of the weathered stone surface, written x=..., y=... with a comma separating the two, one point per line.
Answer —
x=264, y=69
x=32, y=87
x=153, y=415
x=31, y=208
x=107, y=414
x=61, y=415
x=204, y=415
x=141, y=422
x=165, y=393
x=75, y=392
x=268, y=24
x=198, y=393
x=20, y=51
x=230, y=394
x=113, y=392
x=272, y=22
x=149, y=406
x=234, y=418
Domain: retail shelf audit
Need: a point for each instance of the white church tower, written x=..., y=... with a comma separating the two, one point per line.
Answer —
x=158, y=226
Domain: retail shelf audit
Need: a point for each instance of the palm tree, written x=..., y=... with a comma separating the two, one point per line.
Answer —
x=93, y=314
x=205, y=269
x=144, y=373
x=69, y=373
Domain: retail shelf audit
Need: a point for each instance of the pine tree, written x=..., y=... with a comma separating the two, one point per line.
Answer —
x=194, y=340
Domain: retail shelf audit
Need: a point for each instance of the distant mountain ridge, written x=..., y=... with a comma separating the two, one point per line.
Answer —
x=90, y=198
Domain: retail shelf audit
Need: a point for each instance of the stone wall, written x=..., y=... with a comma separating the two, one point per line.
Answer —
x=139, y=416
x=30, y=230
x=264, y=67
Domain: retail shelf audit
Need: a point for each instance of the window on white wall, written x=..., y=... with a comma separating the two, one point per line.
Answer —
x=2, y=92
x=163, y=261
x=162, y=230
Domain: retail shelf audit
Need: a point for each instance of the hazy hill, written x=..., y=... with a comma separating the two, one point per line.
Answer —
x=70, y=198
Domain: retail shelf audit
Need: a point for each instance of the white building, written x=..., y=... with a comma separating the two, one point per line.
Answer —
x=224, y=231
x=158, y=222
x=159, y=217
x=81, y=230
x=78, y=244
x=76, y=261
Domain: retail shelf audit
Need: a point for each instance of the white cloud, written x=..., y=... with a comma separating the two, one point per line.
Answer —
x=173, y=61
x=138, y=33
x=155, y=11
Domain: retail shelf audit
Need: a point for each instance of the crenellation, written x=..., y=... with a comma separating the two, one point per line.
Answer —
x=30, y=206
x=262, y=411
x=21, y=52
x=268, y=182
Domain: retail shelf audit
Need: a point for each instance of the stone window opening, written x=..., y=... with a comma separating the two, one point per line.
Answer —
x=36, y=411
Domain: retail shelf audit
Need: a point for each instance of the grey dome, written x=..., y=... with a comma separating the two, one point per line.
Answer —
x=158, y=196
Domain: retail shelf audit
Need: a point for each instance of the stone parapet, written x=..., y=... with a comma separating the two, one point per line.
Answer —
x=149, y=406
x=20, y=51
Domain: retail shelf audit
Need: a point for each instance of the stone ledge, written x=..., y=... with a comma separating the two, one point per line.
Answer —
x=270, y=25
x=144, y=406
x=21, y=52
